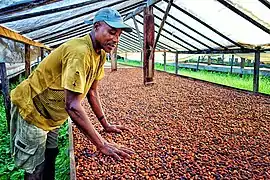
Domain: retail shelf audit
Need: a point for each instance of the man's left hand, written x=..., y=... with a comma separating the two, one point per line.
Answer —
x=116, y=129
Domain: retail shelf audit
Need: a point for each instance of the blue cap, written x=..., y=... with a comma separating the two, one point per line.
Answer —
x=111, y=17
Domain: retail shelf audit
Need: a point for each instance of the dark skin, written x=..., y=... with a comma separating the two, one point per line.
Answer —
x=103, y=37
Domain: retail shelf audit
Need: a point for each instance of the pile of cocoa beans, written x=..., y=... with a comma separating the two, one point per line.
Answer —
x=180, y=129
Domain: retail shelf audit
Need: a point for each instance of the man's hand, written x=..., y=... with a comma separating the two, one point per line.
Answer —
x=115, y=128
x=115, y=151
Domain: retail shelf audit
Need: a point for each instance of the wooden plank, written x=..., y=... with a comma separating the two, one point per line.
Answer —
x=5, y=91
x=176, y=63
x=71, y=152
x=149, y=40
x=256, y=72
x=27, y=60
x=165, y=61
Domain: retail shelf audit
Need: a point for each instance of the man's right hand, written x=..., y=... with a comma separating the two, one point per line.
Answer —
x=115, y=150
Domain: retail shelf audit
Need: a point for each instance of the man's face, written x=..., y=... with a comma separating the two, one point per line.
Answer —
x=107, y=37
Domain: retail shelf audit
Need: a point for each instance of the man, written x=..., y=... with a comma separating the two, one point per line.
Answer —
x=55, y=91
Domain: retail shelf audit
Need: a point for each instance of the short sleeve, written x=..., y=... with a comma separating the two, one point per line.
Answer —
x=74, y=75
x=101, y=72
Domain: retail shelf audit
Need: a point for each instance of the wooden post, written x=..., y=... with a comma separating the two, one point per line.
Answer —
x=232, y=63
x=256, y=72
x=42, y=55
x=142, y=54
x=148, y=45
x=209, y=61
x=27, y=60
x=242, y=66
x=5, y=91
x=165, y=61
x=114, y=59
x=176, y=62
x=197, y=68
x=125, y=56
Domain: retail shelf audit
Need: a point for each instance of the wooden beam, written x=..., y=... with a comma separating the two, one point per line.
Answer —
x=256, y=74
x=149, y=38
x=162, y=24
x=205, y=24
x=10, y=34
x=24, y=5
x=266, y=3
x=192, y=29
x=27, y=60
x=178, y=38
x=218, y=51
x=243, y=15
x=46, y=12
x=69, y=18
x=183, y=32
x=138, y=32
x=5, y=91
x=140, y=9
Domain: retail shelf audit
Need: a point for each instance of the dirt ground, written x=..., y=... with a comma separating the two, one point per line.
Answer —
x=181, y=129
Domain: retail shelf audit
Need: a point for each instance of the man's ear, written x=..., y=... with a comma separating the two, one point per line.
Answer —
x=96, y=26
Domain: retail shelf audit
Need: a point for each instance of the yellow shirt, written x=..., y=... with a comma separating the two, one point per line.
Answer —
x=74, y=66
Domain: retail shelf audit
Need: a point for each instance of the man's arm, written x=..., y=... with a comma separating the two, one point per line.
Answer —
x=94, y=101
x=76, y=112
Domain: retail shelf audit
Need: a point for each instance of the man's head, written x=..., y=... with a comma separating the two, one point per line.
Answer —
x=108, y=26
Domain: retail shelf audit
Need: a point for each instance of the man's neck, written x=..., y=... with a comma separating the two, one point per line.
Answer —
x=94, y=42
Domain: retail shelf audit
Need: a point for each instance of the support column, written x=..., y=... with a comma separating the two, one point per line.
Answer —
x=176, y=62
x=148, y=45
x=125, y=56
x=242, y=66
x=197, y=68
x=209, y=61
x=5, y=91
x=114, y=59
x=165, y=61
x=27, y=60
x=232, y=59
x=256, y=72
x=42, y=55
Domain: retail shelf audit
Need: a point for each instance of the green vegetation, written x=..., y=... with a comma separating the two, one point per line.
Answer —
x=7, y=167
x=233, y=80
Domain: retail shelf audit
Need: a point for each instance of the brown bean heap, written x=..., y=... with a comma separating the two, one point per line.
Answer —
x=181, y=129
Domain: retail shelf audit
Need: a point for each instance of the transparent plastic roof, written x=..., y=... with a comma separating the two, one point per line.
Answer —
x=190, y=25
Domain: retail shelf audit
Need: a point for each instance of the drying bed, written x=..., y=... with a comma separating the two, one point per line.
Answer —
x=180, y=129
